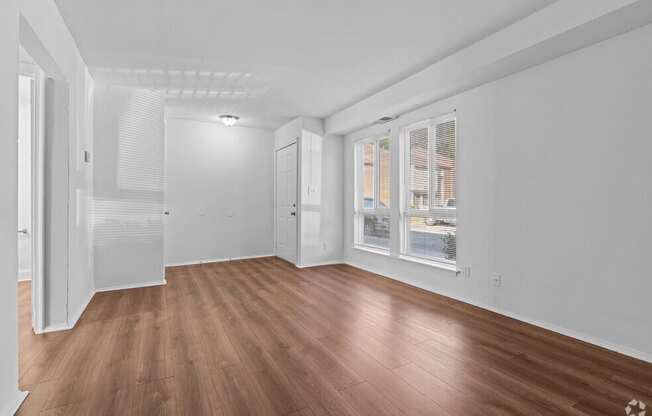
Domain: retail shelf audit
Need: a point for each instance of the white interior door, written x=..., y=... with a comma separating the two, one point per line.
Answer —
x=286, y=203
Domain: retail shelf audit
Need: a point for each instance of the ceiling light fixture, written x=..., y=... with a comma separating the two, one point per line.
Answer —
x=229, y=120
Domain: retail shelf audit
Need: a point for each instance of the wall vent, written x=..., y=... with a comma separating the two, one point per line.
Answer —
x=386, y=119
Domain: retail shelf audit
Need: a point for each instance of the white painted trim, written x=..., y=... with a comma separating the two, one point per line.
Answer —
x=257, y=256
x=53, y=328
x=371, y=249
x=11, y=407
x=631, y=352
x=319, y=263
x=195, y=262
x=204, y=261
x=450, y=267
x=24, y=275
x=37, y=76
x=72, y=322
x=75, y=318
x=131, y=286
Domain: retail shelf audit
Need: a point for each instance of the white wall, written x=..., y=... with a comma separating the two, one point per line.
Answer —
x=46, y=22
x=128, y=187
x=553, y=194
x=321, y=197
x=219, y=192
x=9, y=395
x=69, y=285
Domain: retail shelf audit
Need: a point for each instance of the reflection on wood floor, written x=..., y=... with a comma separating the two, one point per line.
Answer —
x=259, y=337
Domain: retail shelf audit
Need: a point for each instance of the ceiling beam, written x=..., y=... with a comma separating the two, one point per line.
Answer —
x=562, y=27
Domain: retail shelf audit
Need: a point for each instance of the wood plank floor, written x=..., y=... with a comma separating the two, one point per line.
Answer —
x=259, y=337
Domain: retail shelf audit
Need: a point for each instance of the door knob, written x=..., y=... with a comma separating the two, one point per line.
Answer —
x=23, y=231
x=293, y=213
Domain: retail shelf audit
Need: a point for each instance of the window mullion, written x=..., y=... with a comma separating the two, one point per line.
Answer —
x=431, y=158
x=376, y=173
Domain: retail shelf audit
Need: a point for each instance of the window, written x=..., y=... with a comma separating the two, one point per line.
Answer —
x=372, y=215
x=429, y=214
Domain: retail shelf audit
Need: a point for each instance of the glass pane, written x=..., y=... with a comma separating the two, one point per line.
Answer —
x=368, y=160
x=383, y=173
x=433, y=238
x=443, y=166
x=418, y=169
x=375, y=231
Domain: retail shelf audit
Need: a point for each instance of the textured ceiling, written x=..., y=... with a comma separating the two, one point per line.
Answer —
x=270, y=60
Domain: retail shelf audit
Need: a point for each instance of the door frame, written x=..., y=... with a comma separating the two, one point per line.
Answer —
x=37, y=77
x=298, y=236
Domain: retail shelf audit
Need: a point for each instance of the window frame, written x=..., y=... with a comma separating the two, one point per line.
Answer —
x=359, y=210
x=406, y=212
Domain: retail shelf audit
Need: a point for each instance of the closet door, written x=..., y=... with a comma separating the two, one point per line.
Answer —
x=286, y=203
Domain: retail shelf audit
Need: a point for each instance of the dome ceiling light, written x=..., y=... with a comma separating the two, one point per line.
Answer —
x=229, y=120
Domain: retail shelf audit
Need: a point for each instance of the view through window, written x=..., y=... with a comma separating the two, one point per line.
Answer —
x=373, y=193
x=430, y=217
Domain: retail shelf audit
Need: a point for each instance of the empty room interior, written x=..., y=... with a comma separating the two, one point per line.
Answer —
x=326, y=208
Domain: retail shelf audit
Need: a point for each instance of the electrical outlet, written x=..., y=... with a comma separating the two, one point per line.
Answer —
x=496, y=280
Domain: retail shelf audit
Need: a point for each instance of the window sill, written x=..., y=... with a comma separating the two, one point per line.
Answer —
x=371, y=249
x=433, y=263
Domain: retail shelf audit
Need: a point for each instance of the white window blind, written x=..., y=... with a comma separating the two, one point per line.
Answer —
x=372, y=215
x=429, y=213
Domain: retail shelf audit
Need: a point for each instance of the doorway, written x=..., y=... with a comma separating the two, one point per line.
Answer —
x=30, y=196
x=286, y=203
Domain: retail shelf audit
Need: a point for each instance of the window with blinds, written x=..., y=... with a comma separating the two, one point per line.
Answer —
x=372, y=215
x=430, y=214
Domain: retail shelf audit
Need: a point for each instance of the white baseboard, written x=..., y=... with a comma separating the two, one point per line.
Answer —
x=63, y=326
x=319, y=263
x=257, y=256
x=631, y=352
x=24, y=275
x=72, y=321
x=205, y=261
x=11, y=406
x=131, y=286
x=75, y=317
x=622, y=349
x=194, y=262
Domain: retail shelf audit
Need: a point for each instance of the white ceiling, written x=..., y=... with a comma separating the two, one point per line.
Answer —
x=270, y=60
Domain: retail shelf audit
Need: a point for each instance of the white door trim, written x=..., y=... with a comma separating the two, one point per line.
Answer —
x=37, y=197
